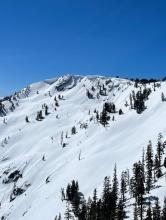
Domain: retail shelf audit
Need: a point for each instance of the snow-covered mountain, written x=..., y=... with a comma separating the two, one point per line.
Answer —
x=39, y=157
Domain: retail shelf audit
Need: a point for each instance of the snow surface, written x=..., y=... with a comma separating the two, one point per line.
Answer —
x=121, y=142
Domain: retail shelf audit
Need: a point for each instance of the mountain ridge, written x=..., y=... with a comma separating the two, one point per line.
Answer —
x=24, y=144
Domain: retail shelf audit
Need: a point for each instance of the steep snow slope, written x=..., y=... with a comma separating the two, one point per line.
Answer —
x=23, y=145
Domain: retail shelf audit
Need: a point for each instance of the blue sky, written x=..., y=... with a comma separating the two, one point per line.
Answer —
x=41, y=39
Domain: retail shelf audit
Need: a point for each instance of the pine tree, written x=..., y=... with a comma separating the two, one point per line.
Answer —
x=68, y=212
x=137, y=186
x=56, y=104
x=73, y=130
x=93, y=207
x=75, y=197
x=46, y=110
x=141, y=190
x=131, y=102
x=163, y=99
x=62, y=194
x=40, y=115
x=149, y=167
x=143, y=164
x=154, y=86
x=137, y=181
x=99, y=210
x=114, y=192
x=164, y=210
x=83, y=212
x=149, y=213
x=97, y=116
x=104, y=117
x=89, y=95
x=159, y=151
x=27, y=119
x=88, y=207
x=135, y=211
x=120, y=112
x=121, y=214
x=139, y=102
x=107, y=199
x=37, y=117
x=157, y=167
x=157, y=211
x=123, y=186
x=164, y=162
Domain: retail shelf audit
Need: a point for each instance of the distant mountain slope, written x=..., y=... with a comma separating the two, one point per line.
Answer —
x=39, y=155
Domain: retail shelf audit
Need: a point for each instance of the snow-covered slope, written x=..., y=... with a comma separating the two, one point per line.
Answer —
x=24, y=145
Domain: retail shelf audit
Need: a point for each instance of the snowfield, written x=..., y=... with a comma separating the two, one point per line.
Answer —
x=88, y=156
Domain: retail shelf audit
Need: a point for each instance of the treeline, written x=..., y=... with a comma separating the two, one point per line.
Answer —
x=116, y=194
x=145, y=81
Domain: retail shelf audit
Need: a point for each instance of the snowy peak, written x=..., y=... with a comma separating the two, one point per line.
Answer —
x=73, y=127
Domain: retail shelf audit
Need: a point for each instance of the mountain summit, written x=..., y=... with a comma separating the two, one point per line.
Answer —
x=76, y=128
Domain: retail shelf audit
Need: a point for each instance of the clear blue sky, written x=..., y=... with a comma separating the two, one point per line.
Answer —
x=42, y=38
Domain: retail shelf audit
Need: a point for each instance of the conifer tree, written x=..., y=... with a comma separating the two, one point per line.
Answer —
x=114, y=192
x=143, y=164
x=120, y=112
x=99, y=210
x=135, y=211
x=106, y=199
x=73, y=130
x=123, y=186
x=157, y=167
x=46, y=110
x=56, y=104
x=164, y=210
x=83, y=212
x=27, y=119
x=131, y=101
x=159, y=150
x=149, y=213
x=93, y=207
x=163, y=97
x=149, y=167
x=104, y=117
x=121, y=214
x=164, y=162
x=137, y=186
x=68, y=212
x=97, y=116
x=157, y=210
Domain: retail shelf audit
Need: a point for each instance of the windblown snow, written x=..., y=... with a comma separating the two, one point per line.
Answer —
x=88, y=156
